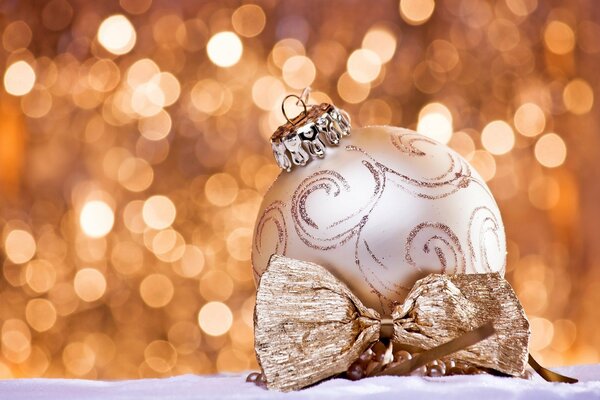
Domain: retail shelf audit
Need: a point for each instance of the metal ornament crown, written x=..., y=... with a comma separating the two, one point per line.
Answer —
x=305, y=136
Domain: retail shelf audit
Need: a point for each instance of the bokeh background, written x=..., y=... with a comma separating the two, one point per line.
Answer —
x=134, y=154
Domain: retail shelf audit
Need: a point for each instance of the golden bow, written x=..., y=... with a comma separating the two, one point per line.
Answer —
x=309, y=326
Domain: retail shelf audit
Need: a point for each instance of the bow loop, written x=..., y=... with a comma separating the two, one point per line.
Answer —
x=308, y=325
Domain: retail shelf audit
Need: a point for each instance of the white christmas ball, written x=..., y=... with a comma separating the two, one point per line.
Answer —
x=383, y=209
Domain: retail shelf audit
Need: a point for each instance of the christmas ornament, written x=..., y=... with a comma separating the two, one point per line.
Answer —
x=309, y=326
x=380, y=207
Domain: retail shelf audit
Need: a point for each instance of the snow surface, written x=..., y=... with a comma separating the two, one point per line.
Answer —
x=230, y=386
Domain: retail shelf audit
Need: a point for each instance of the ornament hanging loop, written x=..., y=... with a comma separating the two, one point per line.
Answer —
x=295, y=120
x=308, y=134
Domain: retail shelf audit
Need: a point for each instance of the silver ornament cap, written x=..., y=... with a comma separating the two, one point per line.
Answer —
x=305, y=136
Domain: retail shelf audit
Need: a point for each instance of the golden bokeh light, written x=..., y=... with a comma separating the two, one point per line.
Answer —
x=215, y=318
x=268, y=92
x=19, y=246
x=542, y=332
x=40, y=314
x=221, y=189
x=15, y=340
x=559, y=37
x=550, y=150
x=435, y=121
x=530, y=119
x=298, y=72
x=382, y=42
x=156, y=290
x=225, y=49
x=159, y=212
x=544, y=192
x=248, y=20
x=578, y=97
x=498, y=137
x=96, y=218
x=40, y=275
x=89, y=284
x=416, y=12
x=160, y=355
x=352, y=91
x=364, y=65
x=78, y=358
x=19, y=78
x=117, y=35
x=191, y=262
x=484, y=163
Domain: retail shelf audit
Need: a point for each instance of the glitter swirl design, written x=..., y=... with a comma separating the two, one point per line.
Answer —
x=457, y=176
x=439, y=239
x=482, y=225
x=341, y=231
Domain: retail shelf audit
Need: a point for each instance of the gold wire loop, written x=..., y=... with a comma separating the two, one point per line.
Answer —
x=305, y=112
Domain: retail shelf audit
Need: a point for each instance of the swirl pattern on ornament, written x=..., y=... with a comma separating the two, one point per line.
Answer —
x=273, y=213
x=439, y=239
x=456, y=177
x=483, y=224
x=342, y=230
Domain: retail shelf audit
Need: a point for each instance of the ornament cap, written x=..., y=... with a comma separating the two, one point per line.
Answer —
x=306, y=135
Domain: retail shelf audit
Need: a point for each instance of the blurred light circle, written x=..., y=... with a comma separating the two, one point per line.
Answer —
x=19, y=78
x=249, y=20
x=578, y=97
x=416, y=12
x=299, y=72
x=435, y=121
x=559, y=37
x=79, y=358
x=382, y=42
x=530, y=119
x=19, y=246
x=550, y=150
x=267, y=92
x=40, y=275
x=364, y=65
x=40, y=314
x=215, y=318
x=156, y=290
x=225, y=49
x=542, y=332
x=89, y=284
x=96, y=219
x=484, y=163
x=498, y=137
x=117, y=35
x=221, y=189
x=159, y=212
x=352, y=91
x=544, y=192
x=155, y=127
x=135, y=174
x=239, y=244
x=191, y=262
x=160, y=355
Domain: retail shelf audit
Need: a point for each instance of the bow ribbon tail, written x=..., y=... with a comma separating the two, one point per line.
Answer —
x=548, y=375
x=465, y=340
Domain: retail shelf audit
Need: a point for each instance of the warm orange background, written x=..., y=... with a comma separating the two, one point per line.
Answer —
x=134, y=154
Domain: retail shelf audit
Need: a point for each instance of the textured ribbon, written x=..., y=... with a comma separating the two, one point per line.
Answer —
x=309, y=326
